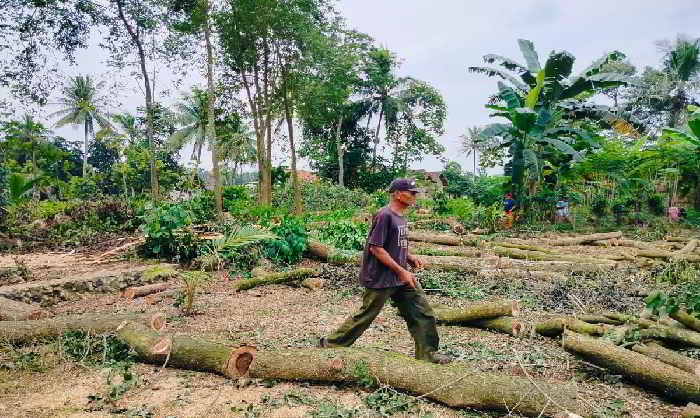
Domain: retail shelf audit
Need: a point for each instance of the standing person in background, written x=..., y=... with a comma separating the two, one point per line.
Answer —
x=385, y=275
x=509, y=210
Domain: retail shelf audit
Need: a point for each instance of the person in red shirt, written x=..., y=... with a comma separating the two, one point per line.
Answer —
x=385, y=275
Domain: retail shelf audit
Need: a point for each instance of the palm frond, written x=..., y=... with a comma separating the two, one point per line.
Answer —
x=495, y=72
x=72, y=118
x=241, y=237
x=530, y=55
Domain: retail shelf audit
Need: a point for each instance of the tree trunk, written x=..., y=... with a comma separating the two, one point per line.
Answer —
x=12, y=310
x=341, y=162
x=671, y=357
x=645, y=371
x=17, y=332
x=85, y=149
x=434, y=238
x=686, y=319
x=549, y=256
x=504, y=324
x=454, y=385
x=554, y=327
x=689, y=247
x=138, y=291
x=135, y=37
x=211, y=108
x=275, y=278
x=483, y=310
x=298, y=206
x=585, y=239
x=268, y=125
x=376, y=138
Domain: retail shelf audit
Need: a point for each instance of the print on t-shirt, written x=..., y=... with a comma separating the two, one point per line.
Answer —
x=403, y=236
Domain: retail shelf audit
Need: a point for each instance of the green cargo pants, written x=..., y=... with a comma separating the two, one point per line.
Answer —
x=414, y=309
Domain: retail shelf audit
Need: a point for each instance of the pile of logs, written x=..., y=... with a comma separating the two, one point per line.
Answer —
x=600, y=339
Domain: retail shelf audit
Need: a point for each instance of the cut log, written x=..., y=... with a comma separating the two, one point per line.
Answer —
x=548, y=256
x=686, y=319
x=691, y=258
x=475, y=311
x=671, y=357
x=585, y=239
x=434, y=249
x=454, y=385
x=423, y=236
x=689, y=247
x=522, y=246
x=332, y=255
x=677, y=239
x=20, y=332
x=138, y=291
x=599, y=319
x=643, y=370
x=556, y=326
x=623, y=318
x=313, y=283
x=505, y=324
x=275, y=278
x=12, y=310
x=690, y=411
x=624, y=242
x=681, y=336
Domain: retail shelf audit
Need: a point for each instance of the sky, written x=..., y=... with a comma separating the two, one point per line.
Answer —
x=436, y=40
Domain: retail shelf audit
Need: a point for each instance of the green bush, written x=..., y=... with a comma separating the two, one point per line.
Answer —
x=655, y=202
x=201, y=207
x=692, y=217
x=50, y=208
x=463, y=209
x=80, y=188
x=291, y=243
x=165, y=238
x=320, y=196
x=488, y=217
x=440, y=200
x=346, y=235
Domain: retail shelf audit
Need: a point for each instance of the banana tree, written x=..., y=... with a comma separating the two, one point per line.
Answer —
x=537, y=101
x=683, y=148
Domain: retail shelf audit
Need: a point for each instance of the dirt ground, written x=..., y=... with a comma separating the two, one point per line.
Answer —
x=284, y=316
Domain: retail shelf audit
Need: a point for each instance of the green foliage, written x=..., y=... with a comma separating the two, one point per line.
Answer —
x=361, y=374
x=18, y=188
x=440, y=200
x=462, y=209
x=387, y=402
x=330, y=409
x=345, y=235
x=655, y=202
x=291, y=242
x=451, y=284
x=488, y=217
x=320, y=196
x=237, y=247
x=191, y=280
x=685, y=292
x=693, y=217
x=166, y=236
x=90, y=349
x=201, y=207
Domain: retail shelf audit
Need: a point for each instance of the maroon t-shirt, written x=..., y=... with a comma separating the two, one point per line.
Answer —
x=390, y=232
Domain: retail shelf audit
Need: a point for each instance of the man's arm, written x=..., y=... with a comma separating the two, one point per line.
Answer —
x=414, y=261
x=385, y=258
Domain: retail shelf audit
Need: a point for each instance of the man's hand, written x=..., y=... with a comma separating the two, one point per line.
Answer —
x=407, y=278
x=416, y=262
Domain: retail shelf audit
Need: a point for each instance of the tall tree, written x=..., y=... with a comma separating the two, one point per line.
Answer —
x=539, y=102
x=192, y=120
x=135, y=26
x=682, y=64
x=32, y=134
x=82, y=105
x=472, y=144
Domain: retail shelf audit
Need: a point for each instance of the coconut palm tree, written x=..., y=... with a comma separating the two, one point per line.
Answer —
x=33, y=133
x=82, y=106
x=682, y=65
x=192, y=119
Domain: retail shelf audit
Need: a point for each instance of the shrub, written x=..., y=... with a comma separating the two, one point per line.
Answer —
x=165, y=238
x=291, y=242
x=655, y=202
x=346, y=235
x=462, y=209
x=201, y=207
x=80, y=188
x=440, y=200
x=488, y=217
x=320, y=196
x=692, y=217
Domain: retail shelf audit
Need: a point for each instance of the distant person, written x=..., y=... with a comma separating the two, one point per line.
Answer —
x=561, y=211
x=509, y=210
x=385, y=275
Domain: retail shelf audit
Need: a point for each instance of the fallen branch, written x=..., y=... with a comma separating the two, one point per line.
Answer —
x=505, y=324
x=671, y=357
x=689, y=247
x=640, y=369
x=678, y=335
x=476, y=311
x=548, y=256
x=599, y=319
x=138, y=291
x=585, y=239
x=12, y=310
x=454, y=385
x=275, y=278
x=19, y=332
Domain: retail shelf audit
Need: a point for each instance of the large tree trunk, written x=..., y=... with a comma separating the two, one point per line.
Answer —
x=538, y=256
x=85, y=150
x=12, y=310
x=434, y=238
x=504, y=324
x=339, y=147
x=671, y=357
x=18, y=332
x=454, y=385
x=211, y=106
x=681, y=336
x=645, y=371
x=475, y=311
x=298, y=206
x=136, y=39
x=556, y=326
x=275, y=278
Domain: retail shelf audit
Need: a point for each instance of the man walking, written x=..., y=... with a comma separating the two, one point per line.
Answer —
x=385, y=275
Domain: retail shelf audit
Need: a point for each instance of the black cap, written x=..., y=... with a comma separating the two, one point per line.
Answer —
x=408, y=185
